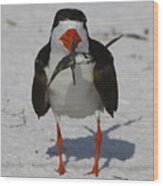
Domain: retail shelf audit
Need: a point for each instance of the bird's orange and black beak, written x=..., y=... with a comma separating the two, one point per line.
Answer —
x=70, y=39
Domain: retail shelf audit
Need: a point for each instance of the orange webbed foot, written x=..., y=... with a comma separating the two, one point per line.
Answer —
x=61, y=170
x=94, y=171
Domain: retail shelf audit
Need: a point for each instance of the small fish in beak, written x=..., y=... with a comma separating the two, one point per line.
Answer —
x=70, y=40
x=68, y=62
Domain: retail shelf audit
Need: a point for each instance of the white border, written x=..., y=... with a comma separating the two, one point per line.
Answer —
x=59, y=1
x=74, y=182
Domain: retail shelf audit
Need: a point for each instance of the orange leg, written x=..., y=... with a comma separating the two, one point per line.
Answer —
x=61, y=169
x=98, y=139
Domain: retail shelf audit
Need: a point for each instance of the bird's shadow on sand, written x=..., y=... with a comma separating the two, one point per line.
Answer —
x=84, y=147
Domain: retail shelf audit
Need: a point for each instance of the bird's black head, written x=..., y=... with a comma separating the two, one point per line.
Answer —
x=69, y=14
x=69, y=30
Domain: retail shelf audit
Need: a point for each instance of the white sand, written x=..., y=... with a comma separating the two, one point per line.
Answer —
x=28, y=144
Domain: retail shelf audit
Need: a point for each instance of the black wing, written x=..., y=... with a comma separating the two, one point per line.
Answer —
x=105, y=76
x=40, y=82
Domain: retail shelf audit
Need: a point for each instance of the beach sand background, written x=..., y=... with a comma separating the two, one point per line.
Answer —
x=28, y=144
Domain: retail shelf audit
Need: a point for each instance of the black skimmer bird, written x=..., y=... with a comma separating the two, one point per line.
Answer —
x=82, y=84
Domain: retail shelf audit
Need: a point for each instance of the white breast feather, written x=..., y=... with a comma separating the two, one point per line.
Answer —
x=78, y=100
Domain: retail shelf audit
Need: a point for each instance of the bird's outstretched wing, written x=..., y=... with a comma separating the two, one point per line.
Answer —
x=105, y=76
x=40, y=82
